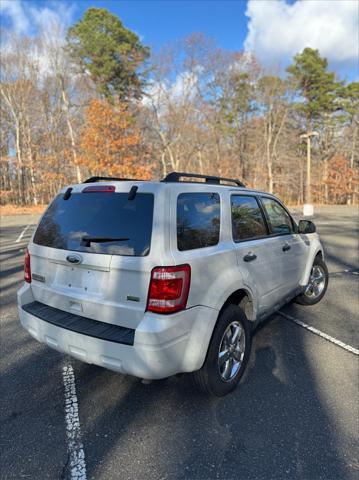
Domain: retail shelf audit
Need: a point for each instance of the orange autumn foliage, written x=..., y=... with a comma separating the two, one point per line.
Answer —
x=110, y=142
x=341, y=179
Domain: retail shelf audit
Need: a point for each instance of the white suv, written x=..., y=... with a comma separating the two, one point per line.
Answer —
x=156, y=278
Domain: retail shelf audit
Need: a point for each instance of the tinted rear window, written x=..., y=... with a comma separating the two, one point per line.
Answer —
x=102, y=216
x=198, y=220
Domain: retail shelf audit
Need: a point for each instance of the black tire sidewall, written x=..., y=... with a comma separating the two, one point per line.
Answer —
x=216, y=385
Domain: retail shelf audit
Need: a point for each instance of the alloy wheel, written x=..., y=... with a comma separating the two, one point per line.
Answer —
x=316, y=282
x=231, y=351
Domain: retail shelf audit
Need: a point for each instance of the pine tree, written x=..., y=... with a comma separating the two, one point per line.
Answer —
x=317, y=87
x=109, y=52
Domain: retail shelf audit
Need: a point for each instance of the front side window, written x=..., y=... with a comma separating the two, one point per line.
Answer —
x=107, y=223
x=247, y=218
x=279, y=219
x=198, y=220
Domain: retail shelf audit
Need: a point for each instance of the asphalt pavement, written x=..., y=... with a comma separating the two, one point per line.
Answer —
x=294, y=415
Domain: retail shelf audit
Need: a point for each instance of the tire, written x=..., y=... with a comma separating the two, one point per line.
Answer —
x=211, y=377
x=309, y=295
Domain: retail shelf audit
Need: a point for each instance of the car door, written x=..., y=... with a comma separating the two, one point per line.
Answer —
x=258, y=256
x=292, y=249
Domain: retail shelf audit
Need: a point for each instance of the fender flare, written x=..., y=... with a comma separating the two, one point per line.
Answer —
x=305, y=277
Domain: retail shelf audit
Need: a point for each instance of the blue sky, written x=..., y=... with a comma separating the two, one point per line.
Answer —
x=161, y=21
x=273, y=29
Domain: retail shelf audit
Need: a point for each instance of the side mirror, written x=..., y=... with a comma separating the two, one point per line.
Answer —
x=306, y=226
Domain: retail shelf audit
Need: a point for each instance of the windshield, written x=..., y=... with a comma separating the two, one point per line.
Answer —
x=115, y=225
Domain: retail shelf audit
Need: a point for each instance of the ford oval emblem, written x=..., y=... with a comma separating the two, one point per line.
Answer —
x=74, y=258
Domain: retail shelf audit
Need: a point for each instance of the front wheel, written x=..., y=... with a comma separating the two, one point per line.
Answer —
x=315, y=290
x=227, y=354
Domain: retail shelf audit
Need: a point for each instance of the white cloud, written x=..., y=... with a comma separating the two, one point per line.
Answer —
x=182, y=88
x=154, y=95
x=49, y=24
x=12, y=9
x=24, y=18
x=278, y=30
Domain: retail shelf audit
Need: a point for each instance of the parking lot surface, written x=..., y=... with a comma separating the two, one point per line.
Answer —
x=294, y=415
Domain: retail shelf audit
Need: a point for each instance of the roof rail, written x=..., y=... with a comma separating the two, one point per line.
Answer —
x=176, y=176
x=99, y=179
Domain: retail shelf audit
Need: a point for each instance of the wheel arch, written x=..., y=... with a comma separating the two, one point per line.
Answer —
x=242, y=298
x=320, y=254
x=316, y=249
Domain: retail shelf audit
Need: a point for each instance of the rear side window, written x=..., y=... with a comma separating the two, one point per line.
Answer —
x=279, y=219
x=198, y=220
x=247, y=218
x=116, y=225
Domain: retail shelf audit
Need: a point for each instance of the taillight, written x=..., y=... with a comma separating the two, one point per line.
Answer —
x=169, y=287
x=27, y=267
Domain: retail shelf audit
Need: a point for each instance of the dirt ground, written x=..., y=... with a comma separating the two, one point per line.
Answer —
x=10, y=209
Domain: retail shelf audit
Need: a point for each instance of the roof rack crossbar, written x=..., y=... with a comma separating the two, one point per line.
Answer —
x=99, y=179
x=176, y=176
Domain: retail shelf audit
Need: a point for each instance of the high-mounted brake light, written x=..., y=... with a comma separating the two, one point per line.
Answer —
x=100, y=188
x=169, y=288
x=27, y=267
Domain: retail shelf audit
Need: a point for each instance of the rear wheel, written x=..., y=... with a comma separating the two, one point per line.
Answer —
x=315, y=290
x=227, y=355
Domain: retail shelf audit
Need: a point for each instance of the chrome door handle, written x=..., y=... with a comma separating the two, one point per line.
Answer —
x=249, y=257
x=286, y=247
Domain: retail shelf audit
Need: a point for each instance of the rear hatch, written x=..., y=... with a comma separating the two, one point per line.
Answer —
x=90, y=254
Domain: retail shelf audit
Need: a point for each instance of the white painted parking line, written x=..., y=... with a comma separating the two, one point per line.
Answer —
x=22, y=234
x=344, y=272
x=73, y=430
x=321, y=334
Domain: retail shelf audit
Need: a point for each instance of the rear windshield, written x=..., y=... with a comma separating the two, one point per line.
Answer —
x=98, y=222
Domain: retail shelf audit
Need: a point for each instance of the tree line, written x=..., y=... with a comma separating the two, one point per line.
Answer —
x=100, y=103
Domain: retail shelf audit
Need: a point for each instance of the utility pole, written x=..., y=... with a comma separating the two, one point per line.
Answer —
x=308, y=209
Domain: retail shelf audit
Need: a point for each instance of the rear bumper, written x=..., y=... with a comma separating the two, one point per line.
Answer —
x=163, y=345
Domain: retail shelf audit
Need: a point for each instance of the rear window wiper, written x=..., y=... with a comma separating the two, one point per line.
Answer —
x=88, y=240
